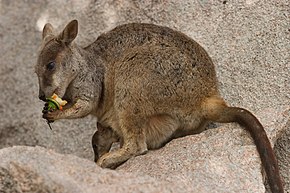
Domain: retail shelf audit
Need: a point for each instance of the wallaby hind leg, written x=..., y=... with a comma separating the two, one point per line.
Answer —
x=215, y=109
x=134, y=143
x=102, y=140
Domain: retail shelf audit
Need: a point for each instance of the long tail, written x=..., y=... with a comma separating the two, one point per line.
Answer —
x=216, y=110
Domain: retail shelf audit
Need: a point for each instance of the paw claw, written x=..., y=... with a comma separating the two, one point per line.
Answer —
x=50, y=116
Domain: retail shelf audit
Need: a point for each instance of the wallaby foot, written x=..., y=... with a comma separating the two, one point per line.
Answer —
x=134, y=146
x=114, y=159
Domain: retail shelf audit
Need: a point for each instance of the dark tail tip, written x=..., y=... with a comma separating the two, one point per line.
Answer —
x=224, y=114
x=266, y=152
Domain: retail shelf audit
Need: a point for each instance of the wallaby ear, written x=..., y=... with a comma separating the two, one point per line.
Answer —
x=47, y=30
x=69, y=33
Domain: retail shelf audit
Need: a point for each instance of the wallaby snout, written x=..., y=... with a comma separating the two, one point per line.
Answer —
x=41, y=95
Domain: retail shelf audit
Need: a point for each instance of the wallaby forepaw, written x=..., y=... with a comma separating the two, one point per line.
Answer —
x=51, y=116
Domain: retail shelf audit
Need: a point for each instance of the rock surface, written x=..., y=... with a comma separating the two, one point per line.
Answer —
x=248, y=41
x=218, y=160
x=36, y=169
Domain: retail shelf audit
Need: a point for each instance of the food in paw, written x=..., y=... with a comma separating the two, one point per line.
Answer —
x=55, y=102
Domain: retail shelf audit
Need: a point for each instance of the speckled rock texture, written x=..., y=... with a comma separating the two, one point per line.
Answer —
x=249, y=44
x=36, y=169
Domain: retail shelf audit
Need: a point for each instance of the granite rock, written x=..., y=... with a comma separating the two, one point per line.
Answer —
x=247, y=40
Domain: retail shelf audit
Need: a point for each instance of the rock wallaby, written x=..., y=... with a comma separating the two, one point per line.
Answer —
x=146, y=84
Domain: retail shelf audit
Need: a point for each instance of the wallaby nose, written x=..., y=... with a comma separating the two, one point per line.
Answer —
x=41, y=96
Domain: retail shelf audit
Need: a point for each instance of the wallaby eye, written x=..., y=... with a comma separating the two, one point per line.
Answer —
x=50, y=65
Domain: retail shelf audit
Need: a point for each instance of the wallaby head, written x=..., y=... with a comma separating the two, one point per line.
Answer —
x=57, y=65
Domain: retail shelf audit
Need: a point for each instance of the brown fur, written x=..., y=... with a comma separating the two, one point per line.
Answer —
x=146, y=84
x=102, y=141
